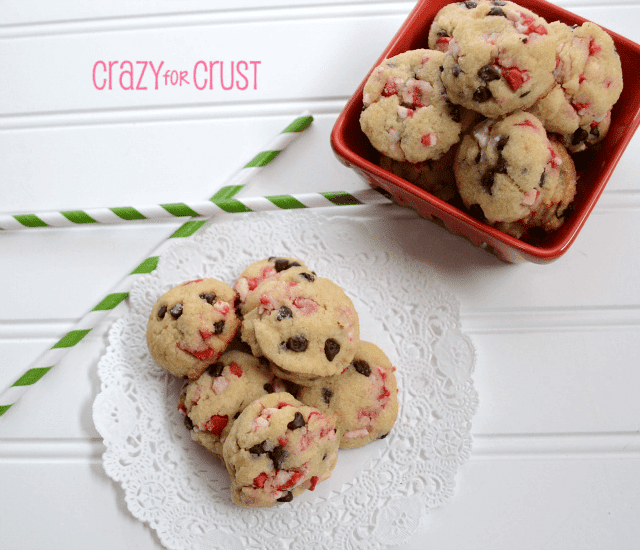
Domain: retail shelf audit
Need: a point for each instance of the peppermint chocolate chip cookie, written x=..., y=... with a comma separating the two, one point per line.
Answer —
x=305, y=324
x=278, y=448
x=364, y=397
x=191, y=325
x=506, y=168
x=407, y=114
x=211, y=403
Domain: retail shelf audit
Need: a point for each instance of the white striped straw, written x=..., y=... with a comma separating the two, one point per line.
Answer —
x=45, y=362
x=203, y=209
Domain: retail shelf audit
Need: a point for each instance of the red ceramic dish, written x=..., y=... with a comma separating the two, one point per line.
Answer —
x=353, y=149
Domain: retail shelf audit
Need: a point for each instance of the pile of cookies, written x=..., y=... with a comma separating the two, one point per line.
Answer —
x=276, y=376
x=489, y=113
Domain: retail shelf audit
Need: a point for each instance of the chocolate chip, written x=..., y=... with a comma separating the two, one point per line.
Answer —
x=383, y=435
x=218, y=327
x=287, y=497
x=327, y=394
x=579, y=136
x=489, y=73
x=442, y=33
x=470, y=5
x=176, y=311
x=208, y=297
x=278, y=456
x=188, y=423
x=297, y=343
x=259, y=449
x=331, y=348
x=499, y=3
x=308, y=276
x=482, y=94
x=297, y=422
x=324, y=456
x=456, y=70
x=268, y=388
x=362, y=367
x=496, y=11
x=595, y=132
x=541, y=182
x=284, y=313
x=216, y=369
x=162, y=312
x=281, y=264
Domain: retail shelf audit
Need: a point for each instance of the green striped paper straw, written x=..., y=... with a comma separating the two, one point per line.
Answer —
x=46, y=361
x=203, y=209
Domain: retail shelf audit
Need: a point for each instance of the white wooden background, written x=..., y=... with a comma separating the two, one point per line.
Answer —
x=556, y=457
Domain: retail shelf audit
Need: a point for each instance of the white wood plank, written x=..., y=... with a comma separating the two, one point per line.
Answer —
x=526, y=504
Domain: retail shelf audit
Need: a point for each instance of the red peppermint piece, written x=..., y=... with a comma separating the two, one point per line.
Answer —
x=264, y=299
x=528, y=123
x=282, y=441
x=594, y=47
x=580, y=106
x=202, y=354
x=314, y=481
x=530, y=26
x=390, y=88
x=204, y=334
x=443, y=40
x=235, y=370
x=416, y=98
x=260, y=480
x=515, y=77
x=283, y=404
x=384, y=393
x=428, y=140
x=253, y=283
x=292, y=481
x=192, y=282
x=216, y=424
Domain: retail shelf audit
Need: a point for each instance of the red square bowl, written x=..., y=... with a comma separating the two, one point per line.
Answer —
x=353, y=149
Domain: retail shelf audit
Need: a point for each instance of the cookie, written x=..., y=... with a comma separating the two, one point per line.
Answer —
x=448, y=18
x=434, y=176
x=305, y=324
x=588, y=83
x=211, y=403
x=278, y=448
x=364, y=397
x=191, y=325
x=260, y=271
x=503, y=166
x=555, y=202
x=495, y=65
x=407, y=115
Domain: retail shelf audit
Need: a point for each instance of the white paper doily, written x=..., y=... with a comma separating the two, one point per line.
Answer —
x=379, y=495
